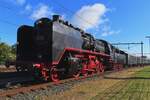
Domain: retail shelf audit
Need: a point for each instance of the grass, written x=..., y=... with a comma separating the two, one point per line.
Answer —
x=145, y=73
x=136, y=87
x=130, y=84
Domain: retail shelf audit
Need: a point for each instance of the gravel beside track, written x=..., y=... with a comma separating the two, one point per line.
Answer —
x=50, y=89
x=10, y=80
x=4, y=69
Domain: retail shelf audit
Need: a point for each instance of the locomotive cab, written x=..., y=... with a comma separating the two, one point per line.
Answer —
x=34, y=43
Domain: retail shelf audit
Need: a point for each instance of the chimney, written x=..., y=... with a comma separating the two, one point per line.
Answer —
x=56, y=17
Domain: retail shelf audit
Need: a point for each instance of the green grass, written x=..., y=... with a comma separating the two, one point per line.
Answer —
x=145, y=73
x=136, y=87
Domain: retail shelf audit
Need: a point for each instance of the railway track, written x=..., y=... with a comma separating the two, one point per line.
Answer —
x=5, y=75
x=33, y=87
x=30, y=85
x=10, y=79
x=11, y=69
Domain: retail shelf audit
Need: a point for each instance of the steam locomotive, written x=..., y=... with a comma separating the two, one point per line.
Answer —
x=55, y=49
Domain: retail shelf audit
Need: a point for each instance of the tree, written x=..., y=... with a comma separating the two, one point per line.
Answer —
x=6, y=53
x=14, y=48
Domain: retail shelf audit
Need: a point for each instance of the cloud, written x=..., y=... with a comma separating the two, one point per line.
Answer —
x=93, y=18
x=106, y=30
x=110, y=32
x=90, y=16
x=41, y=11
x=28, y=7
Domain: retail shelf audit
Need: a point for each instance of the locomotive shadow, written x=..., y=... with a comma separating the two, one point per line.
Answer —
x=144, y=71
x=8, y=79
x=125, y=78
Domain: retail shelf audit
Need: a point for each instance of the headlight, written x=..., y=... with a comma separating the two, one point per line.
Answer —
x=39, y=56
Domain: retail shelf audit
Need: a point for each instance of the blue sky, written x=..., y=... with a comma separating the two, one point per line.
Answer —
x=112, y=20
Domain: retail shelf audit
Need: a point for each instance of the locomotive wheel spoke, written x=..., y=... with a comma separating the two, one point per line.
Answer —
x=85, y=74
x=101, y=68
x=92, y=72
x=45, y=75
x=76, y=75
x=38, y=74
x=54, y=74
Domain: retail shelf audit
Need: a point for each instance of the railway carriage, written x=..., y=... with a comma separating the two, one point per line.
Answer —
x=132, y=60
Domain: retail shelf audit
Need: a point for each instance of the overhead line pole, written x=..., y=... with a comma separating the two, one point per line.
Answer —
x=142, y=53
x=149, y=42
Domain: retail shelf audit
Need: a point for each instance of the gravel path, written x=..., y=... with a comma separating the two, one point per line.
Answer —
x=4, y=69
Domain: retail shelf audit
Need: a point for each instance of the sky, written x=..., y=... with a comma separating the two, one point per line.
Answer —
x=112, y=20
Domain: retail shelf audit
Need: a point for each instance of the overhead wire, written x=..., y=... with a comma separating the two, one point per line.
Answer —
x=14, y=13
x=10, y=23
x=10, y=9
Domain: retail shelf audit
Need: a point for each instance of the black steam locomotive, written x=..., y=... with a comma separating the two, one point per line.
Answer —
x=55, y=49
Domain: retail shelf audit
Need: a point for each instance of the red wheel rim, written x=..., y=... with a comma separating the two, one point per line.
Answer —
x=85, y=74
x=92, y=73
x=101, y=68
x=84, y=71
x=44, y=75
x=76, y=75
x=54, y=75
